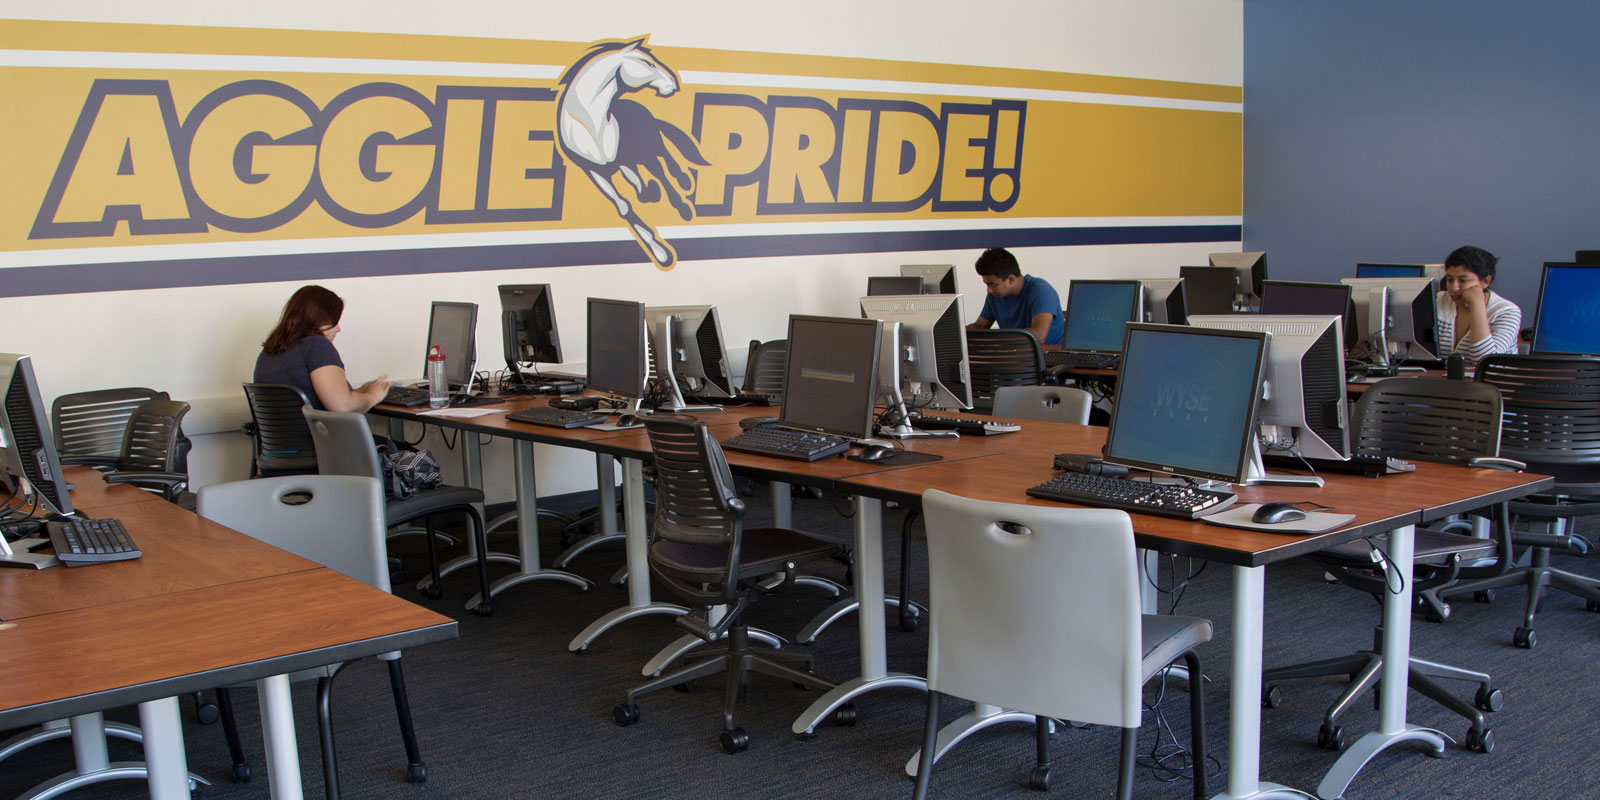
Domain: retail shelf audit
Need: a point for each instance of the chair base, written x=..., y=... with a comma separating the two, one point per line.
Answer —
x=1536, y=577
x=683, y=644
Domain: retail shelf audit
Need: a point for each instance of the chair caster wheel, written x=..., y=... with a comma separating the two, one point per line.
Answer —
x=1271, y=697
x=625, y=715
x=910, y=622
x=417, y=773
x=1480, y=741
x=241, y=773
x=735, y=741
x=1432, y=614
x=1489, y=699
x=1524, y=638
x=1040, y=779
x=434, y=591
x=1485, y=596
x=483, y=610
x=1331, y=737
x=685, y=688
x=1591, y=605
x=845, y=716
x=806, y=736
x=207, y=713
x=582, y=651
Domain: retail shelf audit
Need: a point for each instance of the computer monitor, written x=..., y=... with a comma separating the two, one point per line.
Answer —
x=1295, y=297
x=698, y=366
x=1208, y=290
x=528, y=326
x=879, y=285
x=1303, y=409
x=831, y=378
x=1164, y=301
x=1587, y=257
x=28, y=459
x=1251, y=269
x=936, y=278
x=1096, y=312
x=1186, y=401
x=453, y=327
x=1567, y=319
x=616, y=351
x=923, y=361
x=1391, y=270
x=1395, y=317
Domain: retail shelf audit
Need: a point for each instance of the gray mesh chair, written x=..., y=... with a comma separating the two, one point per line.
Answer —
x=336, y=521
x=1036, y=609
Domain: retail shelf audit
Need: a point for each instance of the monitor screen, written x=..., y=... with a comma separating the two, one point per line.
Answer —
x=1391, y=270
x=528, y=325
x=1186, y=401
x=453, y=327
x=1208, y=290
x=1293, y=297
x=879, y=285
x=27, y=450
x=1567, y=319
x=936, y=278
x=1096, y=312
x=830, y=383
x=616, y=349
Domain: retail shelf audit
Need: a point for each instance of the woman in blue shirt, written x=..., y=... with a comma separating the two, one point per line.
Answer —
x=1016, y=300
x=300, y=353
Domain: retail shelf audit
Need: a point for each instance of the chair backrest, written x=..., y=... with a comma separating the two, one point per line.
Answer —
x=1046, y=403
x=1552, y=413
x=1044, y=621
x=154, y=440
x=334, y=520
x=282, y=441
x=1002, y=357
x=95, y=423
x=343, y=443
x=697, y=503
x=1428, y=419
x=764, y=368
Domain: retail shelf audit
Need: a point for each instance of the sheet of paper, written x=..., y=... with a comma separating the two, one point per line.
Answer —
x=461, y=413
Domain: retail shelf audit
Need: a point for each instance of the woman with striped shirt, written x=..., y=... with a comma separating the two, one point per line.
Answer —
x=1474, y=321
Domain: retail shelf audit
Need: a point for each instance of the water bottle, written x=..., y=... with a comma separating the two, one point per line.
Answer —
x=438, y=389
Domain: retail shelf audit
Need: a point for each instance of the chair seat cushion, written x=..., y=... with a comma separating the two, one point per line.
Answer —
x=1430, y=547
x=429, y=501
x=1165, y=637
x=765, y=551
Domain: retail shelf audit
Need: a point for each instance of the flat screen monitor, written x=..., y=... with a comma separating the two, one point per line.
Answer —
x=28, y=454
x=1294, y=297
x=1391, y=270
x=879, y=285
x=1251, y=269
x=1186, y=401
x=453, y=327
x=1403, y=325
x=616, y=349
x=1096, y=312
x=1208, y=290
x=831, y=378
x=1164, y=301
x=528, y=325
x=1567, y=319
x=1587, y=257
x=936, y=278
x=698, y=363
x=930, y=367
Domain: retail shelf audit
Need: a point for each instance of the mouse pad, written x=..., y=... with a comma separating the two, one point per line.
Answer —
x=1315, y=521
x=900, y=458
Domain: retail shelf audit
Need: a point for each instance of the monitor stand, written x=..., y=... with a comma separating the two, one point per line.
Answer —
x=903, y=429
x=20, y=557
x=1258, y=476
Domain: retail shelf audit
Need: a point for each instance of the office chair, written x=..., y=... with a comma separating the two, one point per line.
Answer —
x=702, y=553
x=88, y=427
x=765, y=366
x=1420, y=419
x=336, y=521
x=344, y=446
x=1044, y=403
x=1002, y=357
x=281, y=442
x=1551, y=422
x=1036, y=609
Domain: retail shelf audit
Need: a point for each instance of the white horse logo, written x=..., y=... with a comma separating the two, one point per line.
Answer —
x=608, y=136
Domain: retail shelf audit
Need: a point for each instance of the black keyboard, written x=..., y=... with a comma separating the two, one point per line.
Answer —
x=786, y=443
x=407, y=396
x=1134, y=497
x=1072, y=360
x=744, y=399
x=91, y=541
x=556, y=417
x=966, y=426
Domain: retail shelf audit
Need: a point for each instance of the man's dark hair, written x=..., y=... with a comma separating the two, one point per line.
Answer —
x=1475, y=260
x=997, y=262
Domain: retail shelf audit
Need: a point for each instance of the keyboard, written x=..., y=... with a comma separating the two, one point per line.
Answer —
x=407, y=396
x=1072, y=360
x=966, y=426
x=91, y=541
x=744, y=399
x=1134, y=497
x=786, y=443
x=556, y=417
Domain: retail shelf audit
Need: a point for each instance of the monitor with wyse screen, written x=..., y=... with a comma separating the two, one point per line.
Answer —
x=831, y=377
x=1567, y=318
x=1395, y=319
x=1297, y=297
x=1209, y=290
x=453, y=327
x=923, y=357
x=1096, y=312
x=616, y=351
x=29, y=464
x=1186, y=401
x=528, y=327
x=936, y=278
x=1164, y=301
x=687, y=355
x=1251, y=269
x=879, y=285
x=1303, y=409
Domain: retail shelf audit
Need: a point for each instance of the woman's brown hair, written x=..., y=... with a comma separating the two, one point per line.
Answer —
x=310, y=310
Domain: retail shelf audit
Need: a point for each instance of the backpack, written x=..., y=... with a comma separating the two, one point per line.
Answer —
x=406, y=469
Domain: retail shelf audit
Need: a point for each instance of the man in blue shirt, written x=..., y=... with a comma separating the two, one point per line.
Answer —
x=1016, y=300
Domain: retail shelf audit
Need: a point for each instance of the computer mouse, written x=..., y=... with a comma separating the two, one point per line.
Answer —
x=875, y=452
x=1274, y=513
x=627, y=420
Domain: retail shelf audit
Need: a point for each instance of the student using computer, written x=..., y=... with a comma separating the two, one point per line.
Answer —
x=300, y=353
x=1016, y=300
x=1474, y=321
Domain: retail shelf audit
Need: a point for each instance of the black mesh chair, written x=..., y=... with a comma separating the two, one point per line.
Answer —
x=1419, y=419
x=1552, y=422
x=281, y=442
x=1002, y=357
x=702, y=553
x=88, y=427
x=765, y=365
x=151, y=451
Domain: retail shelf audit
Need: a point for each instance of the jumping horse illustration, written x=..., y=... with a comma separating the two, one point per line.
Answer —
x=609, y=136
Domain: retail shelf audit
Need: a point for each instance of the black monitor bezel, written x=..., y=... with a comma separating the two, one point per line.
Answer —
x=1538, y=309
x=451, y=359
x=634, y=391
x=534, y=294
x=1193, y=278
x=792, y=364
x=1421, y=269
x=1348, y=315
x=50, y=484
x=885, y=282
x=1135, y=311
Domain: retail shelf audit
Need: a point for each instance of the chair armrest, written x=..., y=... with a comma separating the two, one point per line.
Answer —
x=169, y=482
x=1053, y=375
x=98, y=462
x=1504, y=464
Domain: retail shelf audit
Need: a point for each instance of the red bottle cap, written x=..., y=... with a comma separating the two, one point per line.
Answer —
x=435, y=353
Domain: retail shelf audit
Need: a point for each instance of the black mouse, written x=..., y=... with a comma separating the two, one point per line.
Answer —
x=1273, y=513
x=875, y=452
x=627, y=420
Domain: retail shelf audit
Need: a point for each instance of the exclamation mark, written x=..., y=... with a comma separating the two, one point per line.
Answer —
x=1003, y=182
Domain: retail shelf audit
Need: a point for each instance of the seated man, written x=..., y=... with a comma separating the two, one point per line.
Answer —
x=1016, y=300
